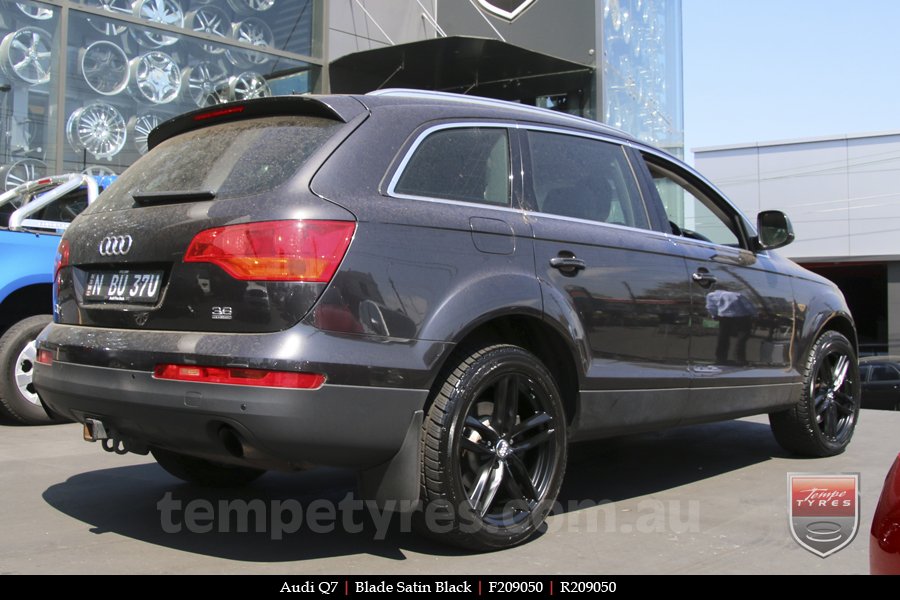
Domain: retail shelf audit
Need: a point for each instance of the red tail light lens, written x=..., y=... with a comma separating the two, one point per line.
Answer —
x=44, y=357
x=240, y=376
x=275, y=250
x=62, y=257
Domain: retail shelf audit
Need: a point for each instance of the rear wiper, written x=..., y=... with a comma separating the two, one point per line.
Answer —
x=173, y=197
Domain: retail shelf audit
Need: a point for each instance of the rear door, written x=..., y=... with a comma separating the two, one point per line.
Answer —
x=742, y=309
x=882, y=386
x=603, y=269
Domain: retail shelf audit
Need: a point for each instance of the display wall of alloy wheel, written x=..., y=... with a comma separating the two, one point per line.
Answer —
x=246, y=7
x=20, y=171
x=210, y=20
x=26, y=54
x=99, y=171
x=139, y=127
x=167, y=12
x=121, y=7
x=202, y=82
x=156, y=77
x=98, y=128
x=245, y=86
x=35, y=12
x=105, y=68
x=250, y=31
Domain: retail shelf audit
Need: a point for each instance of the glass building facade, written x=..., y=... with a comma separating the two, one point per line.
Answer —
x=83, y=82
x=641, y=71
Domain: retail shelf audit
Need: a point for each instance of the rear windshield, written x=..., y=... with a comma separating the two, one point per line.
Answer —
x=233, y=160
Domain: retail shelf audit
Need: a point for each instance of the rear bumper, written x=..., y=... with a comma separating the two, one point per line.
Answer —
x=356, y=426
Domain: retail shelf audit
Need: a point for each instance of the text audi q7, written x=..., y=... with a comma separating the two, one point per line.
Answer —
x=437, y=291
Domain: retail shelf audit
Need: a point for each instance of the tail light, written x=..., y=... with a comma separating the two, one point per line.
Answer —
x=275, y=250
x=240, y=376
x=62, y=257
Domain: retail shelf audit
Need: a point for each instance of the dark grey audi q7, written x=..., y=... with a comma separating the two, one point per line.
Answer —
x=437, y=291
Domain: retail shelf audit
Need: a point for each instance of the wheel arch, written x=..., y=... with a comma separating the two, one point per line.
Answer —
x=32, y=299
x=531, y=332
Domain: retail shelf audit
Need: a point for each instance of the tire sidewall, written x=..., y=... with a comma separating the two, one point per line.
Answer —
x=13, y=341
x=832, y=341
x=492, y=366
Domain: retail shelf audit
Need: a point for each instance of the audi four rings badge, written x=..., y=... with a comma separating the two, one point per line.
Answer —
x=115, y=245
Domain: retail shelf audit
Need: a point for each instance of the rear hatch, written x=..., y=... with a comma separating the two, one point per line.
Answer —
x=215, y=229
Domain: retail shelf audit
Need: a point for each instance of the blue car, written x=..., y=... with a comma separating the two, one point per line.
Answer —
x=33, y=217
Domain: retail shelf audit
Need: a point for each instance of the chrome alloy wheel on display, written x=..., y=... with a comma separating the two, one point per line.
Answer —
x=246, y=7
x=105, y=68
x=250, y=31
x=245, y=86
x=210, y=20
x=122, y=7
x=139, y=127
x=202, y=82
x=98, y=171
x=17, y=173
x=167, y=12
x=26, y=54
x=156, y=77
x=98, y=128
x=35, y=12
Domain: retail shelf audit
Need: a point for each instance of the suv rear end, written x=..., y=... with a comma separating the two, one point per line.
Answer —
x=179, y=300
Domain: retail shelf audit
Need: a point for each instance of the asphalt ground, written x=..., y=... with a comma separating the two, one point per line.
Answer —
x=701, y=499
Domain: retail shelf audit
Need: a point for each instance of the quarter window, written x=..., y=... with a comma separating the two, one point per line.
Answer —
x=584, y=178
x=468, y=164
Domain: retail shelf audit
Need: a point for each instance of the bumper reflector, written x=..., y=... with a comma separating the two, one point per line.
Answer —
x=240, y=376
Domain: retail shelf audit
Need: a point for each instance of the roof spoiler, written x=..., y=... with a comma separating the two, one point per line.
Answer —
x=338, y=108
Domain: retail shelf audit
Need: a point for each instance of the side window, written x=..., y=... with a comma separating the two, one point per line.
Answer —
x=884, y=373
x=469, y=164
x=585, y=179
x=691, y=213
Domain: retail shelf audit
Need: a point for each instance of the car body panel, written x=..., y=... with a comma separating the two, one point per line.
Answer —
x=884, y=540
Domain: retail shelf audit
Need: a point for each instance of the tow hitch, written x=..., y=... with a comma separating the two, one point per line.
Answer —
x=96, y=431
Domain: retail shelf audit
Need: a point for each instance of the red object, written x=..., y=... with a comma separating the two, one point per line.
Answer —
x=884, y=545
x=219, y=113
x=240, y=376
x=44, y=357
x=275, y=250
x=62, y=257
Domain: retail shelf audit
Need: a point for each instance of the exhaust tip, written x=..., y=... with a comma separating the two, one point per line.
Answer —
x=231, y=441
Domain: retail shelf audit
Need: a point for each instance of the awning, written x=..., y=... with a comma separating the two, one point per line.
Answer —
x=479, y=66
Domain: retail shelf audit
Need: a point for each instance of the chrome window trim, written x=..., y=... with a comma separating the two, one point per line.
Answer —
x=401, y=168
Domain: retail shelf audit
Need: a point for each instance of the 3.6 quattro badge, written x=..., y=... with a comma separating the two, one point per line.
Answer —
x=115, y=245
x=823, y=510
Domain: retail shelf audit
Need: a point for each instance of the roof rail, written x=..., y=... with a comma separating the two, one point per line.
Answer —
x=493, y=102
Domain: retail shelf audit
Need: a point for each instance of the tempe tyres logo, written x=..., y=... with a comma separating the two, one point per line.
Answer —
x=823, y=510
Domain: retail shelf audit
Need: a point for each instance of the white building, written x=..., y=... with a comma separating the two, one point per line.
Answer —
x=842, y=194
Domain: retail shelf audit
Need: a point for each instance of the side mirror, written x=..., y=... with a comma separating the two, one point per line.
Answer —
x=775, y=230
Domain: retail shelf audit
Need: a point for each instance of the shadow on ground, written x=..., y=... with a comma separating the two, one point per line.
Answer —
x=271, y=520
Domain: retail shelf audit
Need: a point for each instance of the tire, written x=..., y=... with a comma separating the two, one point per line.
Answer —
x=204, y=472
x=18, y=399
x=491, y=470
x=823, y=421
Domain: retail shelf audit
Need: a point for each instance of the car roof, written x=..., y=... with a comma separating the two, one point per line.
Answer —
x=345, y=108
x=459, y=105
x=879, y=359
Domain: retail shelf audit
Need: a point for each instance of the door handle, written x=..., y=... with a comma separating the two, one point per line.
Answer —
x=567, y=264
x=703, y=278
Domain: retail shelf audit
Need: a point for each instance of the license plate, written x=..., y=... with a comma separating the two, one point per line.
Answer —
x=139, y=287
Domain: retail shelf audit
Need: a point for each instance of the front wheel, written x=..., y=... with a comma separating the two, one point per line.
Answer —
x=823, y=421
x=494, y=450
x=18, y=398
